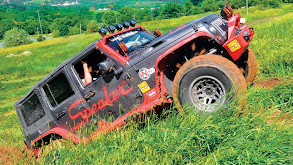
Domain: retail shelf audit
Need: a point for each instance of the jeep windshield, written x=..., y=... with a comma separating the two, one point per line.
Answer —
x=132, y=40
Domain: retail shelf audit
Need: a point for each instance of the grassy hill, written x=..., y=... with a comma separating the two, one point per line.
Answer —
x=262, y=133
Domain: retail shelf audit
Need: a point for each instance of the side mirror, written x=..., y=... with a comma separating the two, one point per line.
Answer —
x=157, y=33
x=106, y=66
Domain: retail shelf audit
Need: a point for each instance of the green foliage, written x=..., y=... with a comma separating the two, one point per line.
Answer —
x=56, y=33
x=171, y=10
x=109, y=18
x=41, y=38
x=155, y=12
x=267, y=3
x=196, y=2
x=125, y=14
x=143, y=15
x=210, y=5
x=99, y=16
x=30, y=26
x=15, y=37
x=6, y=24
x=271, y=3
x=190, y=9
x=63, y=30
x=93, y=26
x=45, y=27
x=74, y=30
x=235, y=4
x=65, y=21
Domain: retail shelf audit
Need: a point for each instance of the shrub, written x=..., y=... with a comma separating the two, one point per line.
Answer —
x=15, y=37
x=125, y=14
x=237, y=3
x=271, y=3
x=109, y=17
x=63, y=30
x=93, y=26
x=74, y=30
x=55, y=33
x=268, y=3
x=41, y=38
x=193, y=10
x=210, y=5
x=171, y=10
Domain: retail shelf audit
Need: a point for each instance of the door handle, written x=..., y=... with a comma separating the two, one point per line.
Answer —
x=89, y=95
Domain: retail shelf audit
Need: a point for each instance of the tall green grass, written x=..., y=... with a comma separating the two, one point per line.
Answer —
x=273, y=47
x=222, y=138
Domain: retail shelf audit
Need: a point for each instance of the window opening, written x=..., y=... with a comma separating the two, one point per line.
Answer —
x=92, y=60
x=58, y=90
x=32, y=110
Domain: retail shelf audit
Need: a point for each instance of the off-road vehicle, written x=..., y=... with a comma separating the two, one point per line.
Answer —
x=203, y=63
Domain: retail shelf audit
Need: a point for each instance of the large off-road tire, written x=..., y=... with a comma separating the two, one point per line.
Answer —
x=251, y=67
x=207, y=82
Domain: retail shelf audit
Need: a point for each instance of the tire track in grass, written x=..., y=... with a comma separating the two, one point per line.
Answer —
x=265, y=19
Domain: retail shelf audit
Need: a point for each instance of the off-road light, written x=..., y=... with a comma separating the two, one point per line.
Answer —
x=226, y=12
x=230, y=9
x=103, y=31
x=132, y=22
x=111, y=28
x=126, y=25
x=119, y=26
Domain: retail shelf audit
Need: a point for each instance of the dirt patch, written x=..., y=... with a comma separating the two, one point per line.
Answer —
x=268, y=84
x=279, y=118
x=13, y=155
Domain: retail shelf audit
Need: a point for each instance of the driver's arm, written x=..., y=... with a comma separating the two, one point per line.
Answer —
x=87, y=75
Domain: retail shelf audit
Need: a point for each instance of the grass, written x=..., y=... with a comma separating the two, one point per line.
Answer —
x=254, y=14
x=221, y=138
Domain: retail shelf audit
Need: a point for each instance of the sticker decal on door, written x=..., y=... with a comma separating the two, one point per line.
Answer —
x=145, y=73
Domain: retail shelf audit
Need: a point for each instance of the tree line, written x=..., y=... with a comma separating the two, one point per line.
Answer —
x=71, y=21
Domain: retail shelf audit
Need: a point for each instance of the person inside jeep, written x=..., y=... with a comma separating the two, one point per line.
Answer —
x=87, y=73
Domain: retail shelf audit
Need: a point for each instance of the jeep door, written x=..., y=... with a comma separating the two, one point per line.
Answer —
x=63, y=99
x=111, y=94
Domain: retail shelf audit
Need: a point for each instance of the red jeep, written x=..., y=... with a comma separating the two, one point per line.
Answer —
x=203, y=63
